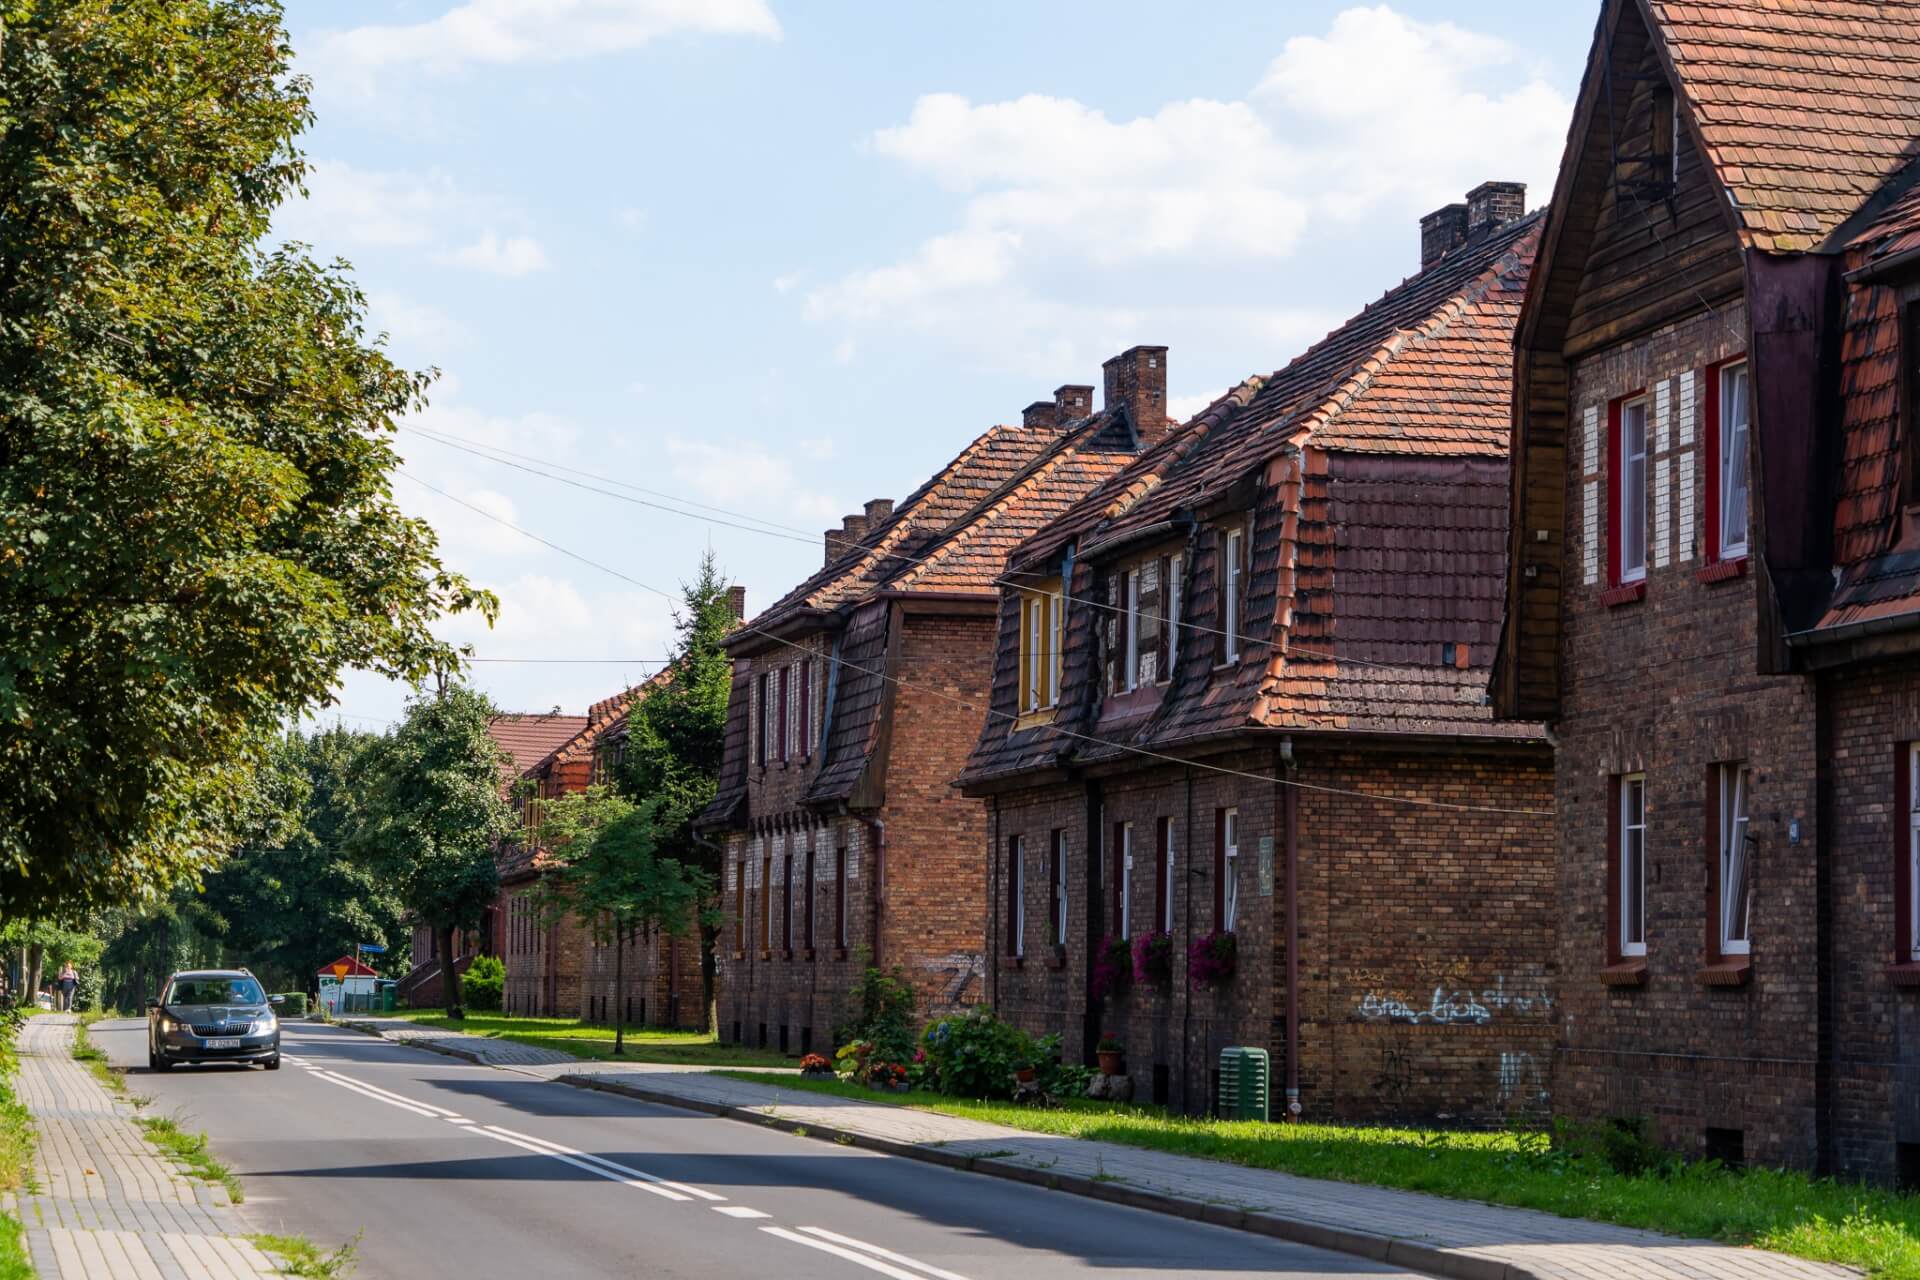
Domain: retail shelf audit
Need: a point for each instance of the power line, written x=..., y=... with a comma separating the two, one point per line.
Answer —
x=614, y=662
x=964, y=704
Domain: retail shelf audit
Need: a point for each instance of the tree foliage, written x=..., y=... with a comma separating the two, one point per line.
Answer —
x=431, y=813
x=196, y=525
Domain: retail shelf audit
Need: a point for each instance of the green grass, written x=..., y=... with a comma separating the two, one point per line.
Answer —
x=190, y=1149
x=85, y=1050
x=1774, y=1209
x=16, y=1164
x=595, y=1040
x=300, y=1256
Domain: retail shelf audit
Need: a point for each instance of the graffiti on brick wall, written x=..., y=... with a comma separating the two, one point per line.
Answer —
x=952, y=979
x=1450, y=1001
x=1393, y=1079
x=1522, y=1082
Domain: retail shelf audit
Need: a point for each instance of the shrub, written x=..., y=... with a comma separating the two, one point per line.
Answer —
x=483, y=983
x=86, y=992
x=1211, y=960
x=1622, y=1144
x=1153, y=958
x=974, y=1055
x=1112, y=968
x=881, y=1010
x=815, y=1065
x=294, y=1004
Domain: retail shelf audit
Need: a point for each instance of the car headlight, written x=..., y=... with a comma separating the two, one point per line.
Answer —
x=265, y=1025
x=168, y=1026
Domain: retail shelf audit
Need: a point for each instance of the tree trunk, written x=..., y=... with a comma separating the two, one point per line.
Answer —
x=619, y=989
x=709, y=1006
x=449, y=972
x=36, y=961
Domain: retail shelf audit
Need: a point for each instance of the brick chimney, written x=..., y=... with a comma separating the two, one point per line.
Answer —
x=1041, y=413
x=1137, y=379
x=737, y=603
x=1441, y=232
x=878, y=510
x=852, y=529
x=1073, y=401
x=1494, y=204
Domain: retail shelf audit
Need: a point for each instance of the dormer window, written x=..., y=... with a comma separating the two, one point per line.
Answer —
x=1143, y=622
x=1042, y=626
x=1232, y=576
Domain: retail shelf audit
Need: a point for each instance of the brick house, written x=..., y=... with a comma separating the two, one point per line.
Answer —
x=525, y=740
x=1305, y=761
x=854, y=702
x=1714, y=593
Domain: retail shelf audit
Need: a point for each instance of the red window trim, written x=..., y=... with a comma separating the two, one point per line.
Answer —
x=786, y=673
x=1219, y=867
x=1162, y=900
x=1614, y=406
x=806, y=708
x=1710, y=424
x=1620, y=970
x=1717, y=970
x=810, y=904
x=1055, y=854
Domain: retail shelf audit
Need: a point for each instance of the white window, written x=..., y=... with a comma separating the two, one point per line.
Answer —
x=1913, y=850
x=1132, y=676
x=1632, y=510
x=1229, y=870
x=1035, y=665
x=1732, y=534
x=1059, y=888
x=1633, y=865
x=1017, y=896
x=1736, y=861
x=1171, y=590
x=1126, y=880
x=1231, y=614
x=1056, y=642
x=1040, y=630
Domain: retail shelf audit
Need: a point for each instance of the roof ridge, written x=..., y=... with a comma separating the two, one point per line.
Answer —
x=980, y=517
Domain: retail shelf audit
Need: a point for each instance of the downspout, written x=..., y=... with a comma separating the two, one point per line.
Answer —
x=1290, y=806
x=1186, y=999
x=993, y=903
x=877, y=831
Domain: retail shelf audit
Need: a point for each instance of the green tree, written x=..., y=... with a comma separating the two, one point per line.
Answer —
x=431, y=815
x=197, y=530
x=676, y=737
x=295, y=893
x=600, y=862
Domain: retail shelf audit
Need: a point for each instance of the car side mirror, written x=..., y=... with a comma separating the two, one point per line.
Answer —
x=276, y=999
x=152, y=1003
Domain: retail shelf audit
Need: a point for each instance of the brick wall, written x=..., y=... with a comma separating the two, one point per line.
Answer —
x=657, y=982
x=545, y=962
x=1666, y=685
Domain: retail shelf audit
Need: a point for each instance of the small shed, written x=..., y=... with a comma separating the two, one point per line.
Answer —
x=346, y=985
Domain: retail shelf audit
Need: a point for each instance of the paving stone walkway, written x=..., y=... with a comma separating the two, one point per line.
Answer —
x=1451, y=1237
x=104, y=1203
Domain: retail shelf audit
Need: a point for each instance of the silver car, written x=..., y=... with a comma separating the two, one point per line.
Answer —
x=213, y=1015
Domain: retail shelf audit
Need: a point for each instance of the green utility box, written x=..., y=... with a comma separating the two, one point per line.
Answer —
x=1246, y=1077
x=388, y=990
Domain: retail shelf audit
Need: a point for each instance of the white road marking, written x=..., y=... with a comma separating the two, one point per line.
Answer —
x=395, y=1097
x=355, y=1087
x=868, y=1261
x=636, y=1183
x=875, y=1249
x=738, y=1211
x=458, y=1120
x=695, y=1192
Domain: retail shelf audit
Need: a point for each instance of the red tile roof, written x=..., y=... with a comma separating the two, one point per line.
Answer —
x=529, y=739
x=1806, y=107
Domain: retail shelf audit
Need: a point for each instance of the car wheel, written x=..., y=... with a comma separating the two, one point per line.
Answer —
x=273, y=1063
x=153, y=1059
x=160, y=1063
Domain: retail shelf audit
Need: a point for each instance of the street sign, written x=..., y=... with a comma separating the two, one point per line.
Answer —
x=339, y=968
x=373, y=948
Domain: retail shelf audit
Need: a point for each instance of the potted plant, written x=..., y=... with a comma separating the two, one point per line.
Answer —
x=815, y=1065
x=1211, y=960
x=1153, y=958
x=1110, y=1052
x=1024, y=1072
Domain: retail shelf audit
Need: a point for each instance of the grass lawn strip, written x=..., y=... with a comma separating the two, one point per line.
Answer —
x=1816, y=1218
x=299, y=1256
x=592, y=1040
x=16, y=1159
x=85, y=1050
x=190, y=1149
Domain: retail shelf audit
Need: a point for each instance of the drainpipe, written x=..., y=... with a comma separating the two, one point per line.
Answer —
x=1290, y=805
x=993, y=904
x=1186, y=999
x=877, y=829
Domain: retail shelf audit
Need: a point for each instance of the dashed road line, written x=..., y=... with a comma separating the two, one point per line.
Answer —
x=867, y=1260
x=876, y=1250
x=637, y=1184
x=696, y=1193
x=739, y=1211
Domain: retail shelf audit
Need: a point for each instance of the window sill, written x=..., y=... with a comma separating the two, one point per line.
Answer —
x=839, y=953
x=765, y=954
x=1058, y=960
x=1013, y=962
x=1734, y=971
x=786, y=954
x=739, y=955
x=809, y=955
x=1034, y=719
x=1722, y=571
x=1626, y=593
x=1904, y=975
x=1626, y=973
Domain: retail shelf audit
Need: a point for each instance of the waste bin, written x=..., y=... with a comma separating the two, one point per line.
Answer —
x=389, y=997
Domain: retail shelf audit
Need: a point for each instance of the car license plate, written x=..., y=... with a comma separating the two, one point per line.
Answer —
x=223, y=1044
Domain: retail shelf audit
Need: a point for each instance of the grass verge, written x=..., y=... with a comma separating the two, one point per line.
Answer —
x=86, y=1051
x=1817, y=1218
x=300, y=1256
x=190, y=1149
x=16, y=1157
x=595, y=1040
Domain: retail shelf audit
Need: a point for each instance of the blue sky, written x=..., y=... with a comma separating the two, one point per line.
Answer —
x=783, y=258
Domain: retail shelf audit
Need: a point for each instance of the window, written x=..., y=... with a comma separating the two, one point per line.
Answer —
x=1226, y=869
x=1728, y=410
x=740, y=908
x=1910, y=941
x=809, y=898
x=1057, y=877
x=761, y=749
x=1163, y=877
x=1627, y=484
x=1633, y=865
x=785, y=721
x=1040, y=630
x=1171, y=630
x=804, y=729
x=1146, y=596
x=786, y=902
x=1734, y=899
x=766, y=900
x=840, y=895
x=1663, y=160
x=1122, y=891
x=1233, y=557
x=1016, y=897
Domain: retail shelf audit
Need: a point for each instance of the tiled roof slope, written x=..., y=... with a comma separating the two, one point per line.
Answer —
x=1806, y=106
x=529, y=739
x=1379, y=486
x=1878, y=576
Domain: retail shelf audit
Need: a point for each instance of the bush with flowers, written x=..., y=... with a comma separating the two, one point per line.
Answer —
x=1211, y=960
x=1153, y=958
x=815, y=1064
x=1112, y=967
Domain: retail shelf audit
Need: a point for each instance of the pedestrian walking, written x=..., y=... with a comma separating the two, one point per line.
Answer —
x=69, y=980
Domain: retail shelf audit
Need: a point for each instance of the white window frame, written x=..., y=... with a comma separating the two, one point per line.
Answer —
x=1230, y=874
x=1017, y=891
x=1231, y=577
x=1132, y=680
x=1170, y=595
x=1031, y=606
x=1733, y=459
x=1633, y=823
x=1057, y=628
x=1913, y=852
x=1632, y=526
x=1736, y=854
x=1126, y=879
x=1165, y=905
x=1059, y=888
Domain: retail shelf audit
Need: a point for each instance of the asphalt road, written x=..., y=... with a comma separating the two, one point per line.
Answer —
x=445, y=1169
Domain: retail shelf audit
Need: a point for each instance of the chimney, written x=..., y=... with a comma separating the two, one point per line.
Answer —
x=737, y=603
x=1494, y=204
x=1137, y=378
x=1073, y=401
x=1041, y=413
x=852, y=529
x=878, y=510
x=1441, y=232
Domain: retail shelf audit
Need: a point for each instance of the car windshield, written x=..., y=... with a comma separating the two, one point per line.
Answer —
x=214, y=991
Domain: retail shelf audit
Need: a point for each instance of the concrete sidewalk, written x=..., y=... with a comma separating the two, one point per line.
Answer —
x=1458, y=1238
x=105, y=1204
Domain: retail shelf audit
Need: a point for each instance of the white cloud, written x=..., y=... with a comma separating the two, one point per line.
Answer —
x=742, y=475
x=1181, y=408
x=348, y=207
x=412, y=326
x=502, y=32
x=514, y=256
x=1073, y=231
x=540, y=615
